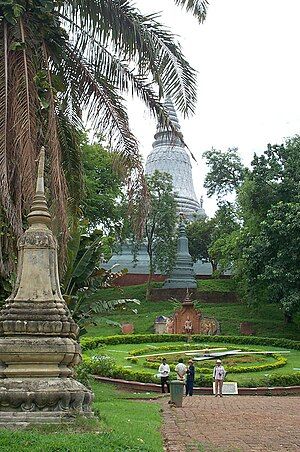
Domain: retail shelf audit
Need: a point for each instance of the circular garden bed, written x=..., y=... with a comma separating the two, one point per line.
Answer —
x=137, y=358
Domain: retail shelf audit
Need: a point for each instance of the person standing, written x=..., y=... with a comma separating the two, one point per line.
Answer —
x=190, y=377
x=181, y=370
x=218, y=376
x=164, y=371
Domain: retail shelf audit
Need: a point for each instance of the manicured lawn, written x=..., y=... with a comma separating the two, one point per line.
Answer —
x=267, y=320
x=124, y=425
x=121, y=352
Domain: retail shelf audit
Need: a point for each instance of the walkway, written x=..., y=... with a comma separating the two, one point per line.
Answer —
x=233, y=423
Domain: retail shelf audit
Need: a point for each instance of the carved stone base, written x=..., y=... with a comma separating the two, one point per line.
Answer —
x=37, y=400
x=19, y=420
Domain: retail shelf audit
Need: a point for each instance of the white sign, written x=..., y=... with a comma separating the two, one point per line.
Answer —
x=229, y=388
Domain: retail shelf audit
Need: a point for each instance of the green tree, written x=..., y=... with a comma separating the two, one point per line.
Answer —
x=211, y=239
x=160, y=224
x=103, y=203
x=200, y=233
x=272, y=259
x=226, y=172
x=266, y=263
x=226, y=233
x=275, y=177
x=61, y=57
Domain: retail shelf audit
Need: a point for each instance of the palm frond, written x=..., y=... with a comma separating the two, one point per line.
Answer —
x=5, y=195
x=105, y=63
x=104, y=106
x=58, y=179
x=24, y=105
x=197, y=7
x=70, y=137
x=142, y=40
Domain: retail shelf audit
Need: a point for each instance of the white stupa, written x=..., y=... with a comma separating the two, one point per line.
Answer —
x=169, y=155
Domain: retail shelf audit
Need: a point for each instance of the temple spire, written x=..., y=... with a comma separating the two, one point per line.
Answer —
x=169, y=155
x=169, y=106
x=39, y=212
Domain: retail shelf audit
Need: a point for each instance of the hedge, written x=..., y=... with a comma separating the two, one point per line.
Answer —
x=92, y=366
x=280, y=362
x=95, y=342
x=200, y=380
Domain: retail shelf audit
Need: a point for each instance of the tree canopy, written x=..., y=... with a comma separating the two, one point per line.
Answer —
x=264, y=249
x=60, y=58
x=103, y=204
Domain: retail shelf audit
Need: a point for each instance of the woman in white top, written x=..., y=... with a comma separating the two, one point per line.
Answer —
x=218, y=376
x=164, y=372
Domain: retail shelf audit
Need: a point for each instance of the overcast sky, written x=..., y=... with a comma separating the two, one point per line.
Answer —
x=247, y=57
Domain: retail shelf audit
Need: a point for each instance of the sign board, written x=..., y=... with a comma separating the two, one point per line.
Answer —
x=229, y=388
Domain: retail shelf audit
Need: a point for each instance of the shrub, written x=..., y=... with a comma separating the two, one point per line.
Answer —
x=102, y=364
x=95, y=342
x=133, y=359
x=280, y=362
x=105, y=366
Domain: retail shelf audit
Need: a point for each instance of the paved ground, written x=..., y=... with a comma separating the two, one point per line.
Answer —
x=233, y=423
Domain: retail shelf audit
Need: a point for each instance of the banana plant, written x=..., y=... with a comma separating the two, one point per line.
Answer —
x=84, y=277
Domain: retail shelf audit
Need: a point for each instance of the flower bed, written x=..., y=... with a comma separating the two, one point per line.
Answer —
x=103, y=365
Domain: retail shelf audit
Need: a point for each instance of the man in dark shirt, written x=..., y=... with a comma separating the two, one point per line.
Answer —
x=190, y=377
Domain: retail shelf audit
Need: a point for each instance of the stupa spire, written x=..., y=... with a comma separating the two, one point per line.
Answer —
x=169, y=106
x=169, y=155
x=182, y=275
x=39, y=212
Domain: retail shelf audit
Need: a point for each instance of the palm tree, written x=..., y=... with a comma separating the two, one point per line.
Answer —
x=59, y=58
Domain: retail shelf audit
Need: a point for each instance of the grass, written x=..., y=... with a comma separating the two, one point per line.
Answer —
x=216, y=285
x=121, y=351
x=123, y=425
x=267, y=320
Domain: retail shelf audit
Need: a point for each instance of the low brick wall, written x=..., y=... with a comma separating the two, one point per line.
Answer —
x=134, y=279
x=136, y=386
x=206, y=297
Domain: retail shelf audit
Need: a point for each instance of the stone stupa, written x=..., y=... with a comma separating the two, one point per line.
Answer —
x=38, y=346
x=169, y=155
x=182, y=276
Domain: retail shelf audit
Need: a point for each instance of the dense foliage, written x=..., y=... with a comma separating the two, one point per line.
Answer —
x=263, y=251
x=103, y=204
x=160, y=224
x=208, y=237
x=101, y=364
x=58, y=59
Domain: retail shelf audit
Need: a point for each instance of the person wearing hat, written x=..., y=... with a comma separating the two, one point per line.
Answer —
x=190, y=377
x=218, y=376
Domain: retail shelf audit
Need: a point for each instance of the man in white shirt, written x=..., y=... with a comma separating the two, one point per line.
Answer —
x=218, y=376
x=181, y=370
x=164, y=372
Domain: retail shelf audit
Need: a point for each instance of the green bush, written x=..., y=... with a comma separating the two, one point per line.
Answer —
x=95, y=342
x=105, y=366
x=280, y=362
x=133, y=359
